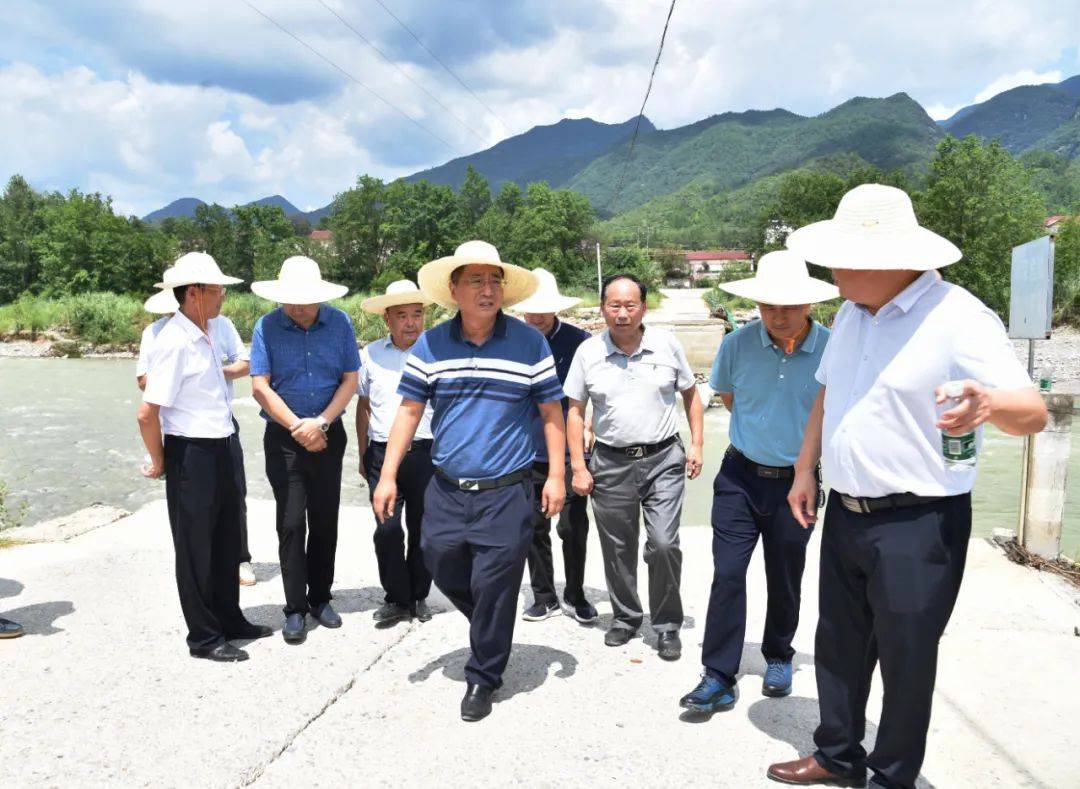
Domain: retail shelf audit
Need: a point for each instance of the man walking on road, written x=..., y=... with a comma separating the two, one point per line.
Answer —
x=404, y=577
x=898, y=519
x=540, y=311
x=304, y=364
x=764, y=373
x=485, y=374
x=632, y=374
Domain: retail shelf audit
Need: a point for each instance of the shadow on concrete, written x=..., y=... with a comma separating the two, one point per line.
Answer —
x=9, y=588
x=39, y=619
x=530, y=666
x=793, y=720
x=346, y=601
x=266, y=571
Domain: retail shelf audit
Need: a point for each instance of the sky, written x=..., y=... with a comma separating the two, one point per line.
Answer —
x=151, y=100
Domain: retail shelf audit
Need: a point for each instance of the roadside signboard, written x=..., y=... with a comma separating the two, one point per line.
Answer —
x=1032, y=293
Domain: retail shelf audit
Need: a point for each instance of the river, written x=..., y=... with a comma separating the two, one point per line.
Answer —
x=68, y=438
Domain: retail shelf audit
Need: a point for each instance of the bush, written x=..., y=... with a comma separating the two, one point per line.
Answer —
x=244, y=309
x=31, y=314
x=103, y=318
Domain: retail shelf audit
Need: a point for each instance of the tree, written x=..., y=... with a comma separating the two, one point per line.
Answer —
x=360, y=242
x=980, y=198
x=216, y=235
x=1067, y=270
x=473, y=200
x=20, y=221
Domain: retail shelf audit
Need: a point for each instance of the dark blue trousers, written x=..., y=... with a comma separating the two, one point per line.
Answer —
x=475, y=544
x=746, y=506
x=888, y=584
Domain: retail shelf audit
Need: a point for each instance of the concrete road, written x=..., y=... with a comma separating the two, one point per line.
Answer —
x=101, y=690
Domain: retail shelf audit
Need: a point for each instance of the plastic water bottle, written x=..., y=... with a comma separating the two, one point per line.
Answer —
x=959, y=451
x=1046, y=377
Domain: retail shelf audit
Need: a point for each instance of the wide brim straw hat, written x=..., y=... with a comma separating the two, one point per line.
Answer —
x=782, y=279
x=547, y=298
x=195, y=268
x=874, y=228
x=399, y=292
x=434, y=277
x=299, y=282
x=161, y=303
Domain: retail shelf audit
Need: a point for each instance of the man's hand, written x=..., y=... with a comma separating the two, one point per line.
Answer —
x=590, y=438
x=385, y=497
x=316, y=444
x=363, y=475
x=553, y=497
x=154, y=469
x=803, y=498
x=306, y=430
x=693, y=462
x=582, y=482
x=975, y=407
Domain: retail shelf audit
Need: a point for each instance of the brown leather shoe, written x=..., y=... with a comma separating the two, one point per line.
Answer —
x=806, y=772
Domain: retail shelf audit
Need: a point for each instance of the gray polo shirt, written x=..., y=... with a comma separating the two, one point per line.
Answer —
x=634, y=397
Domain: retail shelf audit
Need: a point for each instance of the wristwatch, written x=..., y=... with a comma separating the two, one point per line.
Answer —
x=323, y=424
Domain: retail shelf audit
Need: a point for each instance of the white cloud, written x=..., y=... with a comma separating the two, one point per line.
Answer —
x=1010, y=81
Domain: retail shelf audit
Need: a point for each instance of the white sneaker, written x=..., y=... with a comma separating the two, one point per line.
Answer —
x=247, y=574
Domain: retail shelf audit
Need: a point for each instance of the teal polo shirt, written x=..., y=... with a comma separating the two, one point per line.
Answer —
x=773, y=391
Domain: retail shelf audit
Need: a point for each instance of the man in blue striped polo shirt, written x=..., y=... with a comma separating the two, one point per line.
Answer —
x=485, y=375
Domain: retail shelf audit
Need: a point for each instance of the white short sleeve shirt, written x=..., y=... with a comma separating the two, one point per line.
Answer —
x=880, y=372
x=227, y=345
x=381, y=363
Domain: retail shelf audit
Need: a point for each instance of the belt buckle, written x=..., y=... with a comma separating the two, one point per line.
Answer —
x=768, y=473
x=853, y=504
x=469, y=484
x=635, y=452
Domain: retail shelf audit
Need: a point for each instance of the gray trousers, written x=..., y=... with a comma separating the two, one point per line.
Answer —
x=654, y=485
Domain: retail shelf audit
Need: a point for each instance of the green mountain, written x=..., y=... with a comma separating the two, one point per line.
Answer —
x=1027, y=117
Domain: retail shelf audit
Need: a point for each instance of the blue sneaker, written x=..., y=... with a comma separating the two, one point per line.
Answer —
x=777, y=678
x=710, y=695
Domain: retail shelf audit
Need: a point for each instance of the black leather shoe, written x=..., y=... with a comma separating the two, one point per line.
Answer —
x=476, y=705
x=295, y=630
x=421, y=611
x=668, y=645
x=248, y=632
x=389, y=614
x=9, y=629
x=326, y=615
x=222, y=653
x=618, y=636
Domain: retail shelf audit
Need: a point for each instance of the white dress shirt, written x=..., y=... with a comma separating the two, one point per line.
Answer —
x=226, y=340
x=880, y=372
x=185, y=379
x=381, y=363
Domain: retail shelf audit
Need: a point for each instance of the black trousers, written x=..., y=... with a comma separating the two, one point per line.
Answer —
x=203, y=502
x=888, y=584
x=402, y=573
x=573, y=530
x=307, y=489
x=746, y=506
x=241, y=484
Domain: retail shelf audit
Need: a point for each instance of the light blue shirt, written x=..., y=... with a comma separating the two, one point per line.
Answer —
x=773, y=391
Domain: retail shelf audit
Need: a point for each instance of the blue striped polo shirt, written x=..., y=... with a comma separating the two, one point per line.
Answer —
x=483, y=397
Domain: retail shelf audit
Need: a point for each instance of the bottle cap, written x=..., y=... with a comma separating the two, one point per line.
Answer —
x=954, y=389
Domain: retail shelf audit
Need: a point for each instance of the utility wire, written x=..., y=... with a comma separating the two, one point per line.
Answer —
x=448, y=70
x=327, y=60
x=403, y=72
x=637, y=126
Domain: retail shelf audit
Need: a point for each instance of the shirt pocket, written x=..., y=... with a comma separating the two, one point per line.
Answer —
x=660, y=376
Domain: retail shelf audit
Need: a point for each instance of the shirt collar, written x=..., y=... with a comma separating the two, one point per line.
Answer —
x=555, y=329
x=646, y=343
x=806, y=346
x=498, y=331
x=190, y=329
x=909, y=296
x=289, y=323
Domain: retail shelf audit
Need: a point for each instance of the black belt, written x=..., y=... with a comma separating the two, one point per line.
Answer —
x=420, y=443
x=865, y=506
x=639, y=451
x=203, y=442
x=486, y=484
x=768, y=472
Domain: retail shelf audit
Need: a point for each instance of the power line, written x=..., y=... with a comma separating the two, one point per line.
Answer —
x=404, y=73
x=641, y=113
x=327, y=60
x=445, y=67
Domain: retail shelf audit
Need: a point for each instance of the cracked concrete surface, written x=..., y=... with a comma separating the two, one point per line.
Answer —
x=101, y=690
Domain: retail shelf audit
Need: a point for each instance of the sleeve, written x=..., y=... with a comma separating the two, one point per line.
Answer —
x=363, y=388
x=260, y=359
x=574, y=385
x=826, y=357
x=984, y=353
x=351, y=350
x=164, y=375
x=234, y=346
x=685, y=375
x=416, y=379
x=146, y=342
x=720, y=375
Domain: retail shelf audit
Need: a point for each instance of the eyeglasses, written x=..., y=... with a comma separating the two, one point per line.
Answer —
x=478, y=281
x=215, y=289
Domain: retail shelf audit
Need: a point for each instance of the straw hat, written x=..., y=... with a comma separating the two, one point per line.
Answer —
x=298, y=282
x=195, y=268
x=547, y=298
x=874, y=228
x=434, y=277
x=782, y=279
x=399, y=292
x=161, y=303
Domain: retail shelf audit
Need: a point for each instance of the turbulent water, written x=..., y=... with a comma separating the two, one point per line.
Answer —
x=68, y=438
